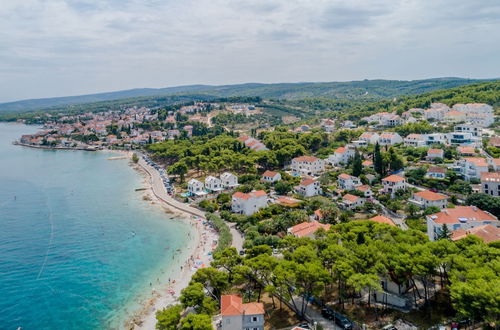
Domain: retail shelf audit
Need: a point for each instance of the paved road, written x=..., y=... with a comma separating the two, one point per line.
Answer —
x=316, y=316
x=237, y=236
x=160, y=191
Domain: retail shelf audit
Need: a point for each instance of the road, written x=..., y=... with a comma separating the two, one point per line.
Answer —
x=316, y=316
x=398, y=220
x=159, y=190
x=238, y=239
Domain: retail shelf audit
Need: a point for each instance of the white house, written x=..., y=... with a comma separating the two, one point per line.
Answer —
x=490, y=183
x=369, y=137
x=459, y=217
x=229, y=180
x=195, y=187
x=328, y=125
x=271, y=176
x=436, y=172
x=308, y=188
x=341, y=155
x=239, y=316
x=250, y=203
x=415, y=140
x=435, y=138
x=350, y=202
x=472, y=167
x=366, y=190
x=389, y=139
x=454, y=116
x=213, y=184
x=427, y=198
x=307, y=165
x=393, y=183
x=463, y=139
x=348, y=182
x=433, y=154
x=475, y=130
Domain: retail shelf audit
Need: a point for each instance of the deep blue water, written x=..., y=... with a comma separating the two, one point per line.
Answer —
x=78, y=245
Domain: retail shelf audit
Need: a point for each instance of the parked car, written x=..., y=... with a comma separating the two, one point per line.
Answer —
x=339, y=319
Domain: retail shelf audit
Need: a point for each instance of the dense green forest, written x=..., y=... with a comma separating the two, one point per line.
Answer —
x=368, y=90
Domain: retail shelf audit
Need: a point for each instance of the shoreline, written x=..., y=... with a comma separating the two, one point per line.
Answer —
x=196, y=254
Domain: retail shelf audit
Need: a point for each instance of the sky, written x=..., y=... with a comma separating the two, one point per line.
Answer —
x=54, y=48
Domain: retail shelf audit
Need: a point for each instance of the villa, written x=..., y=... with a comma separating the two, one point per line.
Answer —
x=307, y=165
x=239, y=316
x=229, y=180
x=427, y=198
x=393, y=183
x=250, y=203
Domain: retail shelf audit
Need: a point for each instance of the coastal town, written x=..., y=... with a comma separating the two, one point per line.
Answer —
x=428, y=175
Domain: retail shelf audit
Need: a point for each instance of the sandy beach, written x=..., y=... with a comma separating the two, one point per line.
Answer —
x=195, y=255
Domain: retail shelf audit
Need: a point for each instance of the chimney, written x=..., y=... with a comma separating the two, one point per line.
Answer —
x=474, y=208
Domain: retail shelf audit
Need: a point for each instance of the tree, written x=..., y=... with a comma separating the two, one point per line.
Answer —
x=412, y=209
x=378, y=161
x=196, y=322
x=445, y=233
x=357, y=164
x=192, y=295
x=180, y=169
x=485, y=202
x=282, y=187
x=135, y=158
x=168, y=318
x=431, y=210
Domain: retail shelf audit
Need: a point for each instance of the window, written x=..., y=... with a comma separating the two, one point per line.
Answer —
x=255, y=319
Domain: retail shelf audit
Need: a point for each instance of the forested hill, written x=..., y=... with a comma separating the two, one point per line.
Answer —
x=371, y=90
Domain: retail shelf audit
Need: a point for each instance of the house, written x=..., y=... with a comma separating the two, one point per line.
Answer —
x=307, y=165
x=288, y=201
x=229, y=180
x=239, y=316
x=436, y=172
x=463, y=139
x=328, y=125
x=459, y=217
x=494, y=142
x=389, y=139
x=466, y=151
x=490, y=183
x=213, y=184
x=487, y=233
x=367, y=163
x=270, y=176
x=433, y=154
x=454, y=116
x=469, y=128
x=341, y=155
x=415, y=140
x=307, y=229
x=382, y=219
x=393, y=183
x=250, y=203
x=494, y=163
x=472, y=167
x=369, y=137
x=350, y=202
x=196, y=187
x=427, y=198
x=435, y=138
x=308, y=188
x=359, y=143
x=348, y=182
x=366, y=190
x=252, y=143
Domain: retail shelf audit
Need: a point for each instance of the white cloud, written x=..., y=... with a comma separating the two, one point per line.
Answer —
x=63, y=47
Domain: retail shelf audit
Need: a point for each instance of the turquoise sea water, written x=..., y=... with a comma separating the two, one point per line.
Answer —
x=77, y=243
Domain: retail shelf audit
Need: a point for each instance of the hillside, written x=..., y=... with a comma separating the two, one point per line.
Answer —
x=368, y=90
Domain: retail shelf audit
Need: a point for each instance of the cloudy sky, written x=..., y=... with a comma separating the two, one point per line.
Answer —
x=71, y=47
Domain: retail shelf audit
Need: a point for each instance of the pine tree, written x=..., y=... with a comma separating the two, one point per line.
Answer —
x=378, y=161
x=445, y=233
x=357, y=165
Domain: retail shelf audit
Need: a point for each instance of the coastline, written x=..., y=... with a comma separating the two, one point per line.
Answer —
x=196, y=254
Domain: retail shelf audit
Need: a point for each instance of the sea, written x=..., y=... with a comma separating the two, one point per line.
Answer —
x=79, y=247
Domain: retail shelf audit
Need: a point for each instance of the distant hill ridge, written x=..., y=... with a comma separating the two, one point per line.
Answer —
x=362, y=89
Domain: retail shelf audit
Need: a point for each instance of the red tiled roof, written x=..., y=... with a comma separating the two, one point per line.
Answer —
x=451, y=216
x=270, y=174
x=307, y=182
x=351, y=198
x=393, y=178
x=340, y=150
x=490, y=177
x=307, y=228
x=487, y=233
x=363, y=188
x=466, y=150
x=382, y=219
x=436, y=169
x=477, y=161
x=430, y=196
x=344, y=176
x=435, y=151
x=232, y=305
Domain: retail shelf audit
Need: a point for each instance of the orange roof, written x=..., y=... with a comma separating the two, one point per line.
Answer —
x=309, y=159
x=287, y=200
x=466, y=150
x=318, y=214
x=351, y=198
x=414, y=136
x=344, y=176
x=367, y=163
x=243, y=138
x=307, y=228
x=232, y=305
x=430, y=196
x=382, y=219
x=487, y=233
x=387, y=135
x=393, y=178
x=465, y=213
x=258, y=193
x=496, y=161
x=340, y=150
x=434, y=151
x=363, y=188
x=455, y=113
x=490, y=177
x=436, y=169
x=307, y=182
x=270, y=174
x=240, y=195
x=477, y=161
